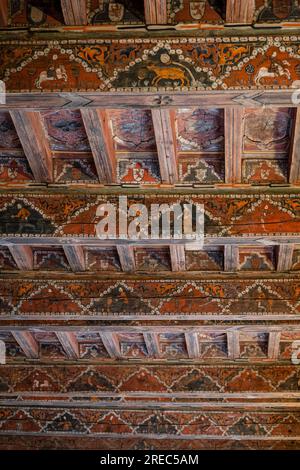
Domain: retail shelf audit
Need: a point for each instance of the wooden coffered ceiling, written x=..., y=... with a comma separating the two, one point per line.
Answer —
x=152, y=344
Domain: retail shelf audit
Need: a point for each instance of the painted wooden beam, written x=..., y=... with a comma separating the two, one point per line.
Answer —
x=192, y=344
x=258, y=241
x=111, y=343
x=164, y=129
x=3, y=13
x=231, y=258
x=285, y=257
x=36, y=147
x=233, y=344
x=152, y=344
x=177, y=253
x=27, y=343
x=75, y=257
x=274, y=344
x=23, y=256
x=69, y=343
x=126, y=257
x=240, y=11
x=97, y=127
x=156, y=12
x=147, y=100
x=233, y=144
x=74, y=11
x=294, y=176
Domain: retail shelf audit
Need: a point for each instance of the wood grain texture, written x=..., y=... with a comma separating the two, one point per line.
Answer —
x=233, y=144
x=240, y=11
x=99, y=134
x=111, y=343
x=75, y=12
x=192, y=344
x=127, y=259
x=3, y=13
x=285, y=257
x=23, y=256
x=75, y=257
x=69, y=343
x=163, y=122
x=152, y=344
x=155, y=12
x=295, y=150
x=27, y=342
x=233, y=344
x=35, y=144
x=177, y=253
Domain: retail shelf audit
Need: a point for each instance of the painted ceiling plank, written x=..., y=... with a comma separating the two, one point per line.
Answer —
x=36, y=147
x=69, y=343
x=156, y=12
x=97, y=127
x=126, y=257
x=75, y=257
x=27, y=343
x=233, y=144
x=164, y=129
x=23, y=256
x=75, y=12
x=295, y=150
x=240, y=11
x=285, y=257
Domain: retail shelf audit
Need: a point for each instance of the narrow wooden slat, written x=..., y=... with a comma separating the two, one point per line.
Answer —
x=74, y=11
x=152, y=344
x=233, y=144
x=126, y=256
x=111, y=343
x=164, y=129
x=27, y=343
x=75, y=257
x=240, y=11
x=177, y=253
x=192, y=344
x=274, y=344
x=233, y=344
x=36, y=147
x=231, y=258
x=3, y=13
x=96, y=124
x=156, y=11
x=69, y=343
x=23, y=256
x=294, y=177
x=285, y=257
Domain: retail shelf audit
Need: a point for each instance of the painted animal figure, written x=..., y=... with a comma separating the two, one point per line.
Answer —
x=278, y=71
x=228, y=54
x=52, y=74
x=167, y=73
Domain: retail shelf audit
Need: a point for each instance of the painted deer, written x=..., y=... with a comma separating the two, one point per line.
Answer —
x=167, y=73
